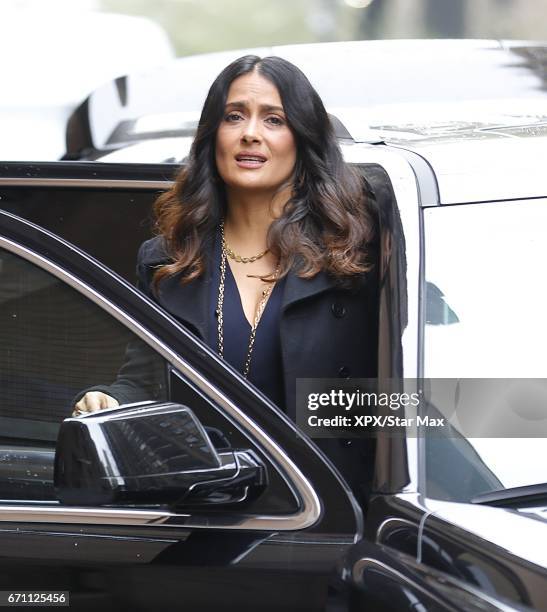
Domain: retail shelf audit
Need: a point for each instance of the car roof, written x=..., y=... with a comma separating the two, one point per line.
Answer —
x=476, y=110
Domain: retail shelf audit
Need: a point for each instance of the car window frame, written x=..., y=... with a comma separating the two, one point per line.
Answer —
x=310, y=505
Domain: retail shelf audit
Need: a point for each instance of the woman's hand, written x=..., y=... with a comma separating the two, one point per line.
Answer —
x=93, y=401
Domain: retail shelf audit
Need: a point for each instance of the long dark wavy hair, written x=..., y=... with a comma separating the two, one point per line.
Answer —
x=326, y=224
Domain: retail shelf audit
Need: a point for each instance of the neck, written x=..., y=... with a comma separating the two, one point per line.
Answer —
x=249, y=216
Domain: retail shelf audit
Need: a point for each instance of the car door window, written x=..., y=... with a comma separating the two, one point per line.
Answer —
x=56, y=343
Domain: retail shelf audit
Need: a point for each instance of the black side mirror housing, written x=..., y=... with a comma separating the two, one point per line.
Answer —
x=150, y=454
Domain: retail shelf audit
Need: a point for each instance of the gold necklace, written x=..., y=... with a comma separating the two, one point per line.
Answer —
x=233, y=255
x=220, y=305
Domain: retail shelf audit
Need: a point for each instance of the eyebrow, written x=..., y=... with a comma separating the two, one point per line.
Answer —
x=266, y=107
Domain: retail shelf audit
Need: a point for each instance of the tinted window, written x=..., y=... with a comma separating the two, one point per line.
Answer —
x=121, y=218
x=55, y=343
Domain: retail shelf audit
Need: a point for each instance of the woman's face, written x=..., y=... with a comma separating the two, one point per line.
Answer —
x=255, y=149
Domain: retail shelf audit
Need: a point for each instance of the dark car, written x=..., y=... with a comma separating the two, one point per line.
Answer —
x=207, y=497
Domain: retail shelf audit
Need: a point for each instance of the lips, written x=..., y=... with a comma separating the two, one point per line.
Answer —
x=250, y=157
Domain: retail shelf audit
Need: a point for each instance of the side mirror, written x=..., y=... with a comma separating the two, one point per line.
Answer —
x=150, y=454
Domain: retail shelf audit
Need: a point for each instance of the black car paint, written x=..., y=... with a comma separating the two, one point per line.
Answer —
x=63, y=543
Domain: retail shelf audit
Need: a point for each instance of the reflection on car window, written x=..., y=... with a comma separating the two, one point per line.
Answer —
x=55, y=343
x=438, y=311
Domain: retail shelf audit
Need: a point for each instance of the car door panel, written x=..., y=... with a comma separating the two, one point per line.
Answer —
x=223, y=560
x=205, y=570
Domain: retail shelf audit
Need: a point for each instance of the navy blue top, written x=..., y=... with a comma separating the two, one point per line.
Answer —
x=266, y=370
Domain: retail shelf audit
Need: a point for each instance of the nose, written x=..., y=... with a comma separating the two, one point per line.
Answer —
x=251, y=131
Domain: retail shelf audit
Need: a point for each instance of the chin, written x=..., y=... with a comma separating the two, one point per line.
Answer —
x=251, y=185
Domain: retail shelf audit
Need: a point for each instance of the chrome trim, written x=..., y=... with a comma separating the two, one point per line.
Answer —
x=425, y=516
x=32, y=502
x=80, y=515
x=94, y=183
x=386, y=522
x=69, y=514
x=307, y=516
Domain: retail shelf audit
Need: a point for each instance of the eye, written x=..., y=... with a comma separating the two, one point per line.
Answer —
x=275, y=120
x=231, y=117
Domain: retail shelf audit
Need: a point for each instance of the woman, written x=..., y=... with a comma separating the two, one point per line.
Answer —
x=263, y=245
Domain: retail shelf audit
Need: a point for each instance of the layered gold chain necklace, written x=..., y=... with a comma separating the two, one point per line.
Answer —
x=227, y=252
x=239, y=258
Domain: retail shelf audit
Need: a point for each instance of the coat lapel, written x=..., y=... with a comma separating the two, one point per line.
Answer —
x=297, y=289
x=189, y=302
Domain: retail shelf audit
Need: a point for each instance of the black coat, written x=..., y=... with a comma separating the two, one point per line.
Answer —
x=327, y=331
